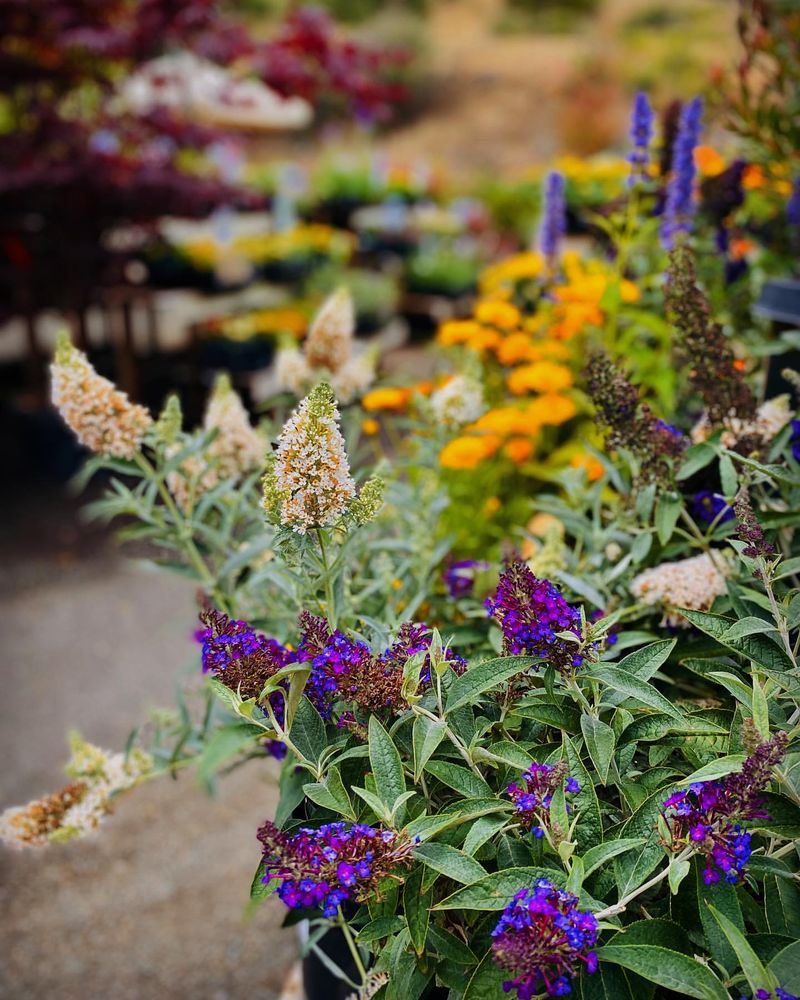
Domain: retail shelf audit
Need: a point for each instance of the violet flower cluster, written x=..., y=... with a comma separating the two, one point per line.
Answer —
x=641, y=134
x=331, y=865
x=554, y=215
x=711, y=507
x=459, y=576
x=779, y=994
x=244, y=660
x=679, y=204
x=794, y=440
x=708, y=815
x=345, y=669
x=541, y=937
x=531, y=612
x=534, y=793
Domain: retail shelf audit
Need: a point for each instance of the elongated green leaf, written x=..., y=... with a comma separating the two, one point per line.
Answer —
x=376, y=804
x=629, y=686
x=697, y=458
x=379, y=928
x=460, y=779
x=760, y=709
x=589, y=830
x=427, y=735
x=653, y=727
x=716, y=769
x=644, y=662
x=785, y=967
x=597, y=856
x=495, y=891
x=416, y=904
x=451, y=862
x=486, y=982
x=449, y=946
x=331, y=794
x=308, y=731
x=756, y=648
x=671, y=969
x=668, y=510
x=385, y=763
x=751, y=965
x=259, y=889
x=224, y=745
x=608, y=983
x=467, y=688
x=482, y=829
x=600, y=740
x=723, y=896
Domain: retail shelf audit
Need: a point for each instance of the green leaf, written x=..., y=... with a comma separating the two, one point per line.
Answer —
x=379, y=928
x=637, y=865
x=483, y=829
x=308, y=732
x=376, y=804
x=760, y=650
x=723, y=896
x=557, y=716
x=782, y=906
x=460, y=779
x=716, y=769
x=785, y=967
x=649, y=728
x=386, y=765
x=467, y=688
x=451, y=862
x=600, y=740
x=760, y=709
x=597, y=856
x=416, y=904
x=697, y=458
x=426, y=737
x=668, y=510
x=728, y=478
x=621, y=682
x=784, y=816
x=331, y=794
x=751, y=965
x=677, y=872
x=667, y=968
x=589, y=830
x=486, y=982
x=259, y=889
x=225, y=744
x=608, y=983
x=495, y=891
x=449, y=946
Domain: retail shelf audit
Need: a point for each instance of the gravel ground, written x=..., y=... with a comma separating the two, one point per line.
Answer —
x=154, y=907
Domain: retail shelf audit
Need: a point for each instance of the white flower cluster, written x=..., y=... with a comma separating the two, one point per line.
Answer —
x=327, y=353
x=80, y=807
x=309, y=483
x=102, y=417
x=237, y=448
x=692, y=583
x=459, y=401
x=771, y=417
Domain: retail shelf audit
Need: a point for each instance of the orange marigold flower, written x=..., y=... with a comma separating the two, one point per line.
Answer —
x=518, y=449
x=505, y=421
x=593, y=467
x=468, y=452
x=498, y=313
x=484, y=339
x=708, y=161
x=517, y=347
x=741, y=248
x=629, y=292
x=541, y=376
x=753, y=177
x=457, y=331
x=552, y=409
x=492, y=505
x=387, y=398
x=370, y=427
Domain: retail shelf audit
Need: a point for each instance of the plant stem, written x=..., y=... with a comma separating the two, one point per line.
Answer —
x=351, y=945
x=611, y=911
x=330, y=608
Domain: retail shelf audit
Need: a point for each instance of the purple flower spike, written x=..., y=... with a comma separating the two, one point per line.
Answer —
x=641, y=134
x=531, y=612
x=326, y=867
x=708, y=814
x=540, y=938
x=554, y=215
x=534, y=793
x=679, y=205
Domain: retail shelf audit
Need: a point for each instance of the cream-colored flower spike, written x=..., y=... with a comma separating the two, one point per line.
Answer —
x=102, y=417
x=692, y=583
x=329, y=343
x=238, y=448
x=308, y=483
x=459, y=401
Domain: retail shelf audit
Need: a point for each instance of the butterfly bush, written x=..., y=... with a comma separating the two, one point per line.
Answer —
x=532, y=682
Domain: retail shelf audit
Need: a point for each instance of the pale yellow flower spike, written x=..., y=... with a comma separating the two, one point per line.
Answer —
x=329, y=343
x=102, y=417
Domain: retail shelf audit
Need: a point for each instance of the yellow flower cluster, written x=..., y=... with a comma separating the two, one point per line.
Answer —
x=300, y=241
x=289, y=320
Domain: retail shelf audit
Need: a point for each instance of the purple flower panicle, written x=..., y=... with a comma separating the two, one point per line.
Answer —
x=244, y=660
x=710, y=507
x=708, y=814
x=779, y=994
x=679, y=204
x=540, y=938
x=330, y=865
x=554, y=215
x=534, y=792
x=459, y=576
x=641, y=134
x=531, y=612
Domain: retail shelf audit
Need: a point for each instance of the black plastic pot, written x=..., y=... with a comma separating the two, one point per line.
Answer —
x=779, y=302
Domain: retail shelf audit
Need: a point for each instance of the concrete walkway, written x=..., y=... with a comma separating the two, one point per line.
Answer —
x=153, y=907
